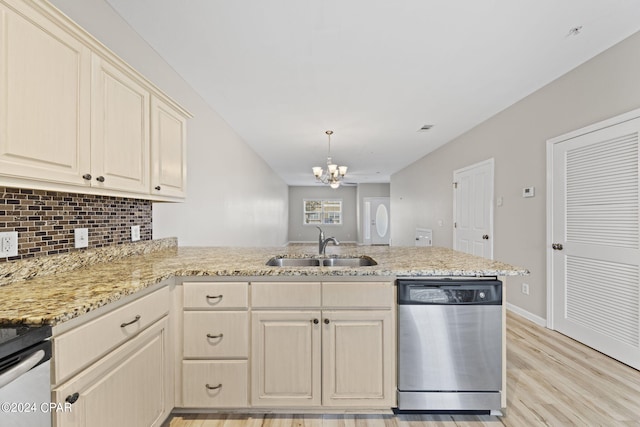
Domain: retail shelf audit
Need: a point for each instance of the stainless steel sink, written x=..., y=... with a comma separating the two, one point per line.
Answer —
x=293, y=262
x=363, y=261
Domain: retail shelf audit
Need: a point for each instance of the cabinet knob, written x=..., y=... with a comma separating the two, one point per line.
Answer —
x=326, y=321
x=86, y=176
x=485, y=236
x=557, y=246
x=72, y=398
x=213, y=387
x=157, y=187
x=100, y=178
x=315, y=321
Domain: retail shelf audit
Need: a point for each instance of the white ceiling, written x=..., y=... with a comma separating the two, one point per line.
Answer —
x=281, y=72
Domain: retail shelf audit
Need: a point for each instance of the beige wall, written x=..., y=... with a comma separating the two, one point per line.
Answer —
x=298, y=232
x=233, y=198
x=421, y=194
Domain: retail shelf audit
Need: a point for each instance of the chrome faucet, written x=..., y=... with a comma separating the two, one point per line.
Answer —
x=322, y=242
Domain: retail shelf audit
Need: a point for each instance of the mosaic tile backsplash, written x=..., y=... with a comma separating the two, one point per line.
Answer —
x=45, y=220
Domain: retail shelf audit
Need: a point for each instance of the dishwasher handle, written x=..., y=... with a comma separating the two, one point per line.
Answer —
x=21, y=368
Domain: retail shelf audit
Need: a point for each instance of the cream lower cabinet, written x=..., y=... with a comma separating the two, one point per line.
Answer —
x=286, y=358
x=333, y=356
x=357, y=355
x=127, y=388
x=215, y=350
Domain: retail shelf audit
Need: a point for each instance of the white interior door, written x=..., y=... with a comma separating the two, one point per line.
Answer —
x=473, y=209
x=376, y=221
x=594, y=254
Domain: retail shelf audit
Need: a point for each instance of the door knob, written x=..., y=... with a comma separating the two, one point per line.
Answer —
x=485, y=237
x=557, y=246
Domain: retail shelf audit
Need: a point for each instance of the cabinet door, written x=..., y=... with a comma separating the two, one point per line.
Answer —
x=119, y=129
x=127, y=388
x=168, y=150
x=358, y=357
x=285, y=359
x=44, y=99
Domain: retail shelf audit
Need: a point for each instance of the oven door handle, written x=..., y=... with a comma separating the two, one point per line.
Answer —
x=21, y=368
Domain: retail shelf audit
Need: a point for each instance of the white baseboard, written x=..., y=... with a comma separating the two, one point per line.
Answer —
x=527, y=315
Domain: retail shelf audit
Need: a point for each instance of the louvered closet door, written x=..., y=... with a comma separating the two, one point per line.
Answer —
x=595, y=218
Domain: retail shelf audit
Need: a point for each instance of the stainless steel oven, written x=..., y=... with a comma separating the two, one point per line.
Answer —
x=25, y=377
x=450, y=344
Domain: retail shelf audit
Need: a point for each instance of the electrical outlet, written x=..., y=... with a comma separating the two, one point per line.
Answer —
x=8, y=244
x=525, y=288
x=81, y=236
x=135, y=233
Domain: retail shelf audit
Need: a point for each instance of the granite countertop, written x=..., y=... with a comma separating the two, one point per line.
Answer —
x=40, y=298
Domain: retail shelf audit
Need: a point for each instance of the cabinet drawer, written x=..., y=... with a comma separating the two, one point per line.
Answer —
x=203, y=295
x=285, y=294
x=357, y=294
x=229, y=377
x=85, y=344
x=222, y=334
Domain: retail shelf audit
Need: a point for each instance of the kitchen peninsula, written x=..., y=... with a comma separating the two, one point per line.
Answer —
x=212, y=325
x=105, y=276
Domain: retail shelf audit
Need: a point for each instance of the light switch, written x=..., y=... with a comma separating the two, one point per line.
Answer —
x=529, y=192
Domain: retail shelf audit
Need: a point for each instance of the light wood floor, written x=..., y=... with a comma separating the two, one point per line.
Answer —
x=552, y=380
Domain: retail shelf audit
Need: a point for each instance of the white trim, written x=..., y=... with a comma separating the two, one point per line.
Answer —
x=540, y=321
x=634, y=114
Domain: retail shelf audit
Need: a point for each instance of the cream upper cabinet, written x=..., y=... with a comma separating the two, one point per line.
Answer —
x=45, y=77
x=120, y=151
x=73, y=114
x=168, y=150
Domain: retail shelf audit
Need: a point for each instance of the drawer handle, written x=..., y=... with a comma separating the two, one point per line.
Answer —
x=72, y=398
x=218, y=297
x=215, y=387
x=125, y=324
x=214, y=336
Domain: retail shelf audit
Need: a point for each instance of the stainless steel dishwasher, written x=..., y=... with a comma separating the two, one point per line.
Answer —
x=25, y=377
x=449, y=344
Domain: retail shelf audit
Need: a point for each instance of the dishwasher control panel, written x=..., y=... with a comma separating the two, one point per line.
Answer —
x=446, y=292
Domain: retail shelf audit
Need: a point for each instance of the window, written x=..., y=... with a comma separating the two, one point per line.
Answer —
x=322, y=212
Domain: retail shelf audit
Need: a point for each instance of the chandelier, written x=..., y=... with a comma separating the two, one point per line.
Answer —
x=334, y=173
